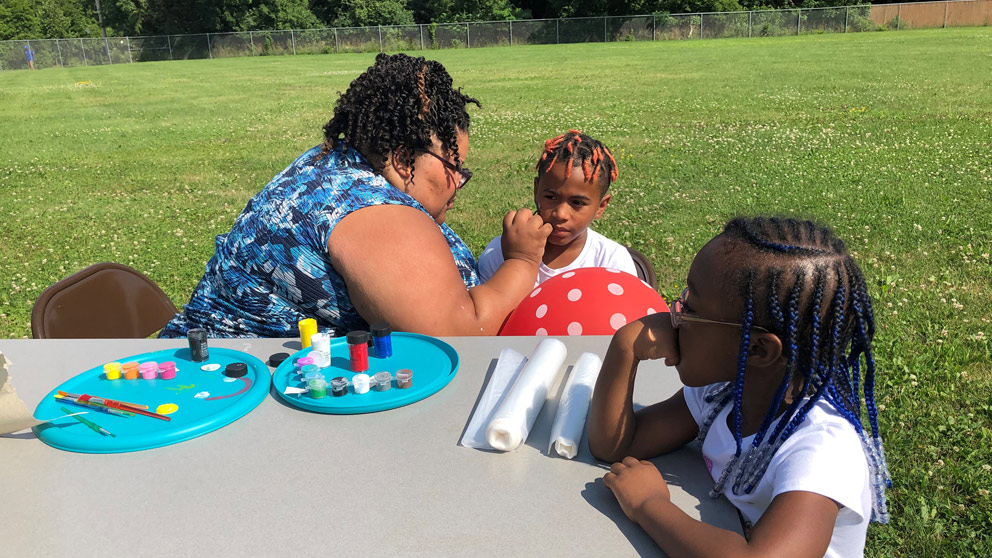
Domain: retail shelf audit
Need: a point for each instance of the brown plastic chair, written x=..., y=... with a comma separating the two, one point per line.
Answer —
x=645, y=271
x=105, y=300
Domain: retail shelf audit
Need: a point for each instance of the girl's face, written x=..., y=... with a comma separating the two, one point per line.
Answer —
x=568, y=204
x=709, y=351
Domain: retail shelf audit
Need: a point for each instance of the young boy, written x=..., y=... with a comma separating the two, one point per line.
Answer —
x=573, y=177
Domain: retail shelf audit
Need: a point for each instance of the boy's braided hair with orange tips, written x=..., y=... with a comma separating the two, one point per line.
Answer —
x=574, y=149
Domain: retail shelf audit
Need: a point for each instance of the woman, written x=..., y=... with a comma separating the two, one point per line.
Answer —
x=353, y=231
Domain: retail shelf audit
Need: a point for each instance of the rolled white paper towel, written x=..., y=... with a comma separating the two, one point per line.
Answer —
x=508, y=368
x=566, y=432
x=513, y=419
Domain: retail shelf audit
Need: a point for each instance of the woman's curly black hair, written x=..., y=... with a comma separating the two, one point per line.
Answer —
x=400, y=101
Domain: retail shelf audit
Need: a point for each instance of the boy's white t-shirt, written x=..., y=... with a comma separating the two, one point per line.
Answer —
x=598, y=251
x=824, y=455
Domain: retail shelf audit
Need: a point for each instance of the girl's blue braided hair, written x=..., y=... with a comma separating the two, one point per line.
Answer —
x=816, y=300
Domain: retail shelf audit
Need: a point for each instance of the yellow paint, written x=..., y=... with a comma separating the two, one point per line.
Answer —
x=307, y=328
x=167, y=408
x=112, y=370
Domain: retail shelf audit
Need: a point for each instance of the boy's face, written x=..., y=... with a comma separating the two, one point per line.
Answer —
x=569, y=205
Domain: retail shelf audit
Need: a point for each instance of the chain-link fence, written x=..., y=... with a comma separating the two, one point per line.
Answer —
x=763, y=23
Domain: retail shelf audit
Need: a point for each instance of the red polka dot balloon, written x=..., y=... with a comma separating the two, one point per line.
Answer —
x=587, y=301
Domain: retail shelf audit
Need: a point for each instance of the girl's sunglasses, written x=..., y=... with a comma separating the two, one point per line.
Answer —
x=679, y=317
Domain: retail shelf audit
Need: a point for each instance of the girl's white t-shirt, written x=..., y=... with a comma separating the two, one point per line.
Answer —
x=824, y=455
x=598, y=251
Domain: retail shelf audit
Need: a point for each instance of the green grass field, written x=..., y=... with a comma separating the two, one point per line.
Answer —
x=884, y=136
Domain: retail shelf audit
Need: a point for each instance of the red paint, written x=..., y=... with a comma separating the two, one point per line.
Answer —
x=359, y=353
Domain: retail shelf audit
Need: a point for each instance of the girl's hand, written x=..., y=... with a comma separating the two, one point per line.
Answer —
x=634, y=483
x=652, y=337
x=524, y=236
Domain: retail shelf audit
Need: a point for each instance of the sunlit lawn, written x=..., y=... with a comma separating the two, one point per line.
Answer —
x=884, y=136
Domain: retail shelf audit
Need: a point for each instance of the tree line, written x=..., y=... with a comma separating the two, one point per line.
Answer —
x=51, y=19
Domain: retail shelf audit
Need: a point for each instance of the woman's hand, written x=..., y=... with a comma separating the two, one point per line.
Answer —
x=635, y=483
x=524, y=236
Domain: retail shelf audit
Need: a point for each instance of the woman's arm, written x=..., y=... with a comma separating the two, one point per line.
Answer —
x=796, y=524
x=399, y=268
x=615, y=430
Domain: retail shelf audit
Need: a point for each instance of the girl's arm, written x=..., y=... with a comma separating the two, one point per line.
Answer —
x=615, y=430
x=796, y=524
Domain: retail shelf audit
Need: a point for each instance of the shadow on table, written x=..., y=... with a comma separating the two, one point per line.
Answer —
x=683, y=470
x=478, y=398
x=27, y=435
x=600, y=498
x=541, y=430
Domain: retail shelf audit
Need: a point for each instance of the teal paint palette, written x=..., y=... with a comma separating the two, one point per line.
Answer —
x=433, y=362
x=200, y=402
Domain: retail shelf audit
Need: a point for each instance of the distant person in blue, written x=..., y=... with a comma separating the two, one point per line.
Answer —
x=29, y=54
x=353, y=233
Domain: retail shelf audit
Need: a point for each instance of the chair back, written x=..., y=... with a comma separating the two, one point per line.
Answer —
x=644, y=268
x=105, y=300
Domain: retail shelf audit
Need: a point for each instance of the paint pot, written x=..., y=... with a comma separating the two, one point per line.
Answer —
x=358, y=350
x=382, y=340
x=130, y=370
x=307, y=328
x=404, y=378
x=312, y=374
x=149, y=370
x=339, y=386
x=320, y=343
x=236, y=370
x=167, y=370
x=309, y=370
x=382, y=381
x=318, y=388
x=305, y=361
x=198, y=349
x=112, y=370
x=361, y=383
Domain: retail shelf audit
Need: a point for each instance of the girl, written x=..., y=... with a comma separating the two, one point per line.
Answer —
x=770, y=338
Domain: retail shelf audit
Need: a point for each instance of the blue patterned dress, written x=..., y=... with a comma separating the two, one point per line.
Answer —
x=272, y=269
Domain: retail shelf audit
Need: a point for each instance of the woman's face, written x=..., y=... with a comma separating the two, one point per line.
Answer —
x=434, y=184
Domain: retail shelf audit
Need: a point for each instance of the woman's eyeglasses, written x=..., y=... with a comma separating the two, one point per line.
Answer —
x=679, y=317
x=463, y=171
